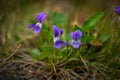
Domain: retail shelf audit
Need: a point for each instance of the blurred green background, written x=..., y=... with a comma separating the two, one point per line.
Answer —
x=16, y=15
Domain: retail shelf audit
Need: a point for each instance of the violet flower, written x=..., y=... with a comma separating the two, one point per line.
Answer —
x=37, y=27
x=76, y=35
x=57, y=33
x=117, y=10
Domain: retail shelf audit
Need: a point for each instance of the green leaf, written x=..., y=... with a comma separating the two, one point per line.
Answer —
x=35, y=53
x=75, y=27
x=92, y=21
x=46, y=30
x=58, y=18
x=104, y=37
x=89, y=38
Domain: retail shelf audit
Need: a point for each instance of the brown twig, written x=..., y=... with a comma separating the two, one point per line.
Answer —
x=18, y=47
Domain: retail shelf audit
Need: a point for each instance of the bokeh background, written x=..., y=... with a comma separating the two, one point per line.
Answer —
x=15, y=15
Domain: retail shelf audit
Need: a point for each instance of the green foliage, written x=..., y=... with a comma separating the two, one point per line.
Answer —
x=36, y=54
x=47, y=32
x=88, y=26
x=16, y=37
x=104, y=37
x=67, y=37
x=92, y=21
x=75, y=27
x=59, y=19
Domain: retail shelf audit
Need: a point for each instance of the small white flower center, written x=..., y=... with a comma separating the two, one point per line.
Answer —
x=74, y=41
x=39, y=24
x=56, y=39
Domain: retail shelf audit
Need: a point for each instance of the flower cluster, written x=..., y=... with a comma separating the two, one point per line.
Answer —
x=58, y=43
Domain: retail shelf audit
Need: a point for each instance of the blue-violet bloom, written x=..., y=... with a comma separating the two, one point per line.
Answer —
x=76, y=35
x=37, y=27
x=117, y=10
x=57, y=33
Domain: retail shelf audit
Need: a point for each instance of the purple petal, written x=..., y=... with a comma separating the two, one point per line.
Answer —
x=75, y=44
x=76, y=34
x=41, y=16
x=117, y=10
x=61, y=31
x=31, y=26
x=55, y=31
x=73, y=35
x=58, y=44
x=37, y=29
x=79, y=34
